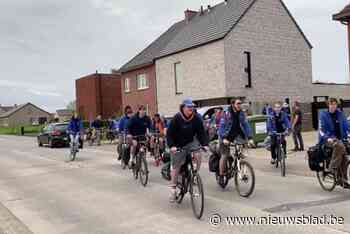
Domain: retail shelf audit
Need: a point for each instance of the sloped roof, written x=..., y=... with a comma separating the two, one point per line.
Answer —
x=343, y=15
x=203, y=28
x=147, y=56
x=64, y=112
x=19, y=107
x=6, y=108
x=207, y=27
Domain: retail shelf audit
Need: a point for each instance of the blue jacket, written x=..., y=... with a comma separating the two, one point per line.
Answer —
x=138, y=126
x=123, y=123
x=327, y=129
x=271, y=122
x=226, y=124
x=75, y=126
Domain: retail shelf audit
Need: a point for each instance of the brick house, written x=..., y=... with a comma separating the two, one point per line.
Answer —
x=25, y=115
x=252, y=49
x=138, y=76
x=99, y=94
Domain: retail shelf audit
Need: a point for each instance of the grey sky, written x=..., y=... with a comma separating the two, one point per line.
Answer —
x=46, y=44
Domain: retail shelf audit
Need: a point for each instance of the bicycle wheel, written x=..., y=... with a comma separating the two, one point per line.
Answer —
x=122, y=153
x=136, y=168
x=283, y=163
x=180, y=189
x=197, y=195
x=227, y=176
x=278, y=158
x=143, y=170
x=245, y=179
x=72, y=154
x=327, y=180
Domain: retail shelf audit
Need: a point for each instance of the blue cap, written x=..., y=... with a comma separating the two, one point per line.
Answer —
x=188, y=102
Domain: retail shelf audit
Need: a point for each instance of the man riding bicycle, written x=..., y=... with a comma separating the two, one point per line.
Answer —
x=75, y=128
x=137, y=128
x=123, y=127
x=277, y=122
x=97, y=126
x=334, y=129
x=182, y=131
x=233, y=127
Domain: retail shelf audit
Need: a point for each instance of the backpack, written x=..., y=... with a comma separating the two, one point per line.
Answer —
x=214, y=161
x=315, y=157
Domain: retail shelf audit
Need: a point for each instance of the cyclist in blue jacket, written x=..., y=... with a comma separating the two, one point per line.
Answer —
x=233, y=127
x=123, y=127
x=334, y=130
x=75, y=128
x=277, y=122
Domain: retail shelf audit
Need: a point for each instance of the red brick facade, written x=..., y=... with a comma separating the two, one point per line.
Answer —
x=135, y=97
x=99, y=94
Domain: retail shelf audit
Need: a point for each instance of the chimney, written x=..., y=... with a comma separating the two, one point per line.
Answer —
x=202, y=10
x=189, y=14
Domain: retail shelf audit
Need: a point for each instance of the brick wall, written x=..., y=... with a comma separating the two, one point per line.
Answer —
x=203, y=74
x=98, y=94
x=135, y=97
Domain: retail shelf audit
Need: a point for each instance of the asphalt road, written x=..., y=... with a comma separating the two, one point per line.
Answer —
x=40, y=193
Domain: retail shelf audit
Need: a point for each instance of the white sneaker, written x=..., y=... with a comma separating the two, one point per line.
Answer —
x=172, y=197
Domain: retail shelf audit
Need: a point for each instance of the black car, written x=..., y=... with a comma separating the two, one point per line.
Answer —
x=54, y=135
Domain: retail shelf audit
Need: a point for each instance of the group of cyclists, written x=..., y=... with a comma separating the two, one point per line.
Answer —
x=186, y=130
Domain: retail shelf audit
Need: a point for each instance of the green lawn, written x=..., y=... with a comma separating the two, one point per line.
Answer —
x=28, y=130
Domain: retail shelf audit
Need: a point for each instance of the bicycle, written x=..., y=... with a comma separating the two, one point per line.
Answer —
x=239, y=169
x=140, y=168
x=188, y=179
x=156, y=151
x=124, y=151
x=74, y=147
x=281, y=154
x=328, y=179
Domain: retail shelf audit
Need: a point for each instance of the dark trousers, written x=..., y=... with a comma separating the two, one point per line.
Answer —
x=274, y=145
x=298, y=138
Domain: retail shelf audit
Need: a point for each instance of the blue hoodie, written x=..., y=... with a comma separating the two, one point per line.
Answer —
x=75, y=126
x=327, y=128
x=271, y=122
x=123, y=123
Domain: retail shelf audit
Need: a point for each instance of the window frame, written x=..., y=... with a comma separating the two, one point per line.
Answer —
x=140, y=85
x=177, y=92
x=127, y=81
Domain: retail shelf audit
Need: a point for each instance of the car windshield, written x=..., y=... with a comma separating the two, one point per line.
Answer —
x=61, y=127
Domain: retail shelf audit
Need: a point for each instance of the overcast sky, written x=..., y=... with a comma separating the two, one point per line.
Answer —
x=46, y=44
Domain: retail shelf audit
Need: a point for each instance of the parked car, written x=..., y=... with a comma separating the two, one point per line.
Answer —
x=54, y=134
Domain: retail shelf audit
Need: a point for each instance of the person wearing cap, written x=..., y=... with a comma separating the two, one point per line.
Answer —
x=183, y=129
x=234, y=126
x=138, y=128
x=122, y=127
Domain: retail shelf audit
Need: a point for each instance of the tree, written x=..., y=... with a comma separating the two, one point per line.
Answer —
x=71, y=105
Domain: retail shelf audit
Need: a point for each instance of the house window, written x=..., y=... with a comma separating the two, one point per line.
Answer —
x=127, y=85
x=142, y=81
x=178, y=78
x=248, y=69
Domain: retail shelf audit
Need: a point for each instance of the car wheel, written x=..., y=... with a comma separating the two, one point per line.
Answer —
x=39, y=143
